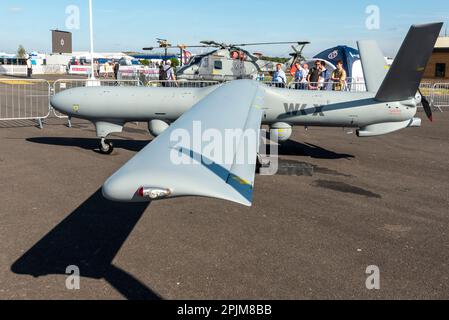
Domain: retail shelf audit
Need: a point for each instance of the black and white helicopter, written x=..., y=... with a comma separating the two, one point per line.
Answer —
x=227, y=61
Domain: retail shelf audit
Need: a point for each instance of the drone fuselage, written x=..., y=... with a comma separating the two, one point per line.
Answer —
x=119, y=105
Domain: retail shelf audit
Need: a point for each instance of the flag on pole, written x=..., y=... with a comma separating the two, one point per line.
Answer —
x=186, y=55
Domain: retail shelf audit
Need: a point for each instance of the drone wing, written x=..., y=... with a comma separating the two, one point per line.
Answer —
x=210, y=151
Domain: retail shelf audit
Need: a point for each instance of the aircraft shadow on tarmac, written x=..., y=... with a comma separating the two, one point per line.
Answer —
x=289, y=148
x=90, y=237
x=91, y=144
x=294, y=148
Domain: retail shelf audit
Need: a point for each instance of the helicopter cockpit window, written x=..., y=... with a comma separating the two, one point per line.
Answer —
x=218, y=65
x=195, y=60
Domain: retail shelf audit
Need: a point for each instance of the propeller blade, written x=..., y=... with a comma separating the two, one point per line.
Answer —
x=427, y=106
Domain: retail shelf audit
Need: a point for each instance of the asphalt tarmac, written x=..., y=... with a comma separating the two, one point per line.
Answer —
x=339, y=205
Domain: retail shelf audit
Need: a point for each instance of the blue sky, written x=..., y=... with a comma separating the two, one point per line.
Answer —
x=132, y=24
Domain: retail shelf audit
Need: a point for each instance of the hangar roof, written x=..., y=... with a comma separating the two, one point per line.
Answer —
x=442, y=43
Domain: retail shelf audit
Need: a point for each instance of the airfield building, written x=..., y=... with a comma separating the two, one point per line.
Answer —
x=438, y=66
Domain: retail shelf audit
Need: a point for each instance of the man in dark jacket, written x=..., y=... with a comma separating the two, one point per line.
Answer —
x=116, y=70
x=314, y=76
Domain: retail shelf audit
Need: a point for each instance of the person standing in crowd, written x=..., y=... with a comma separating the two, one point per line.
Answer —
x=299, y=76
x=106, y=67
x=324, y=77
x=29, y=68
x=305, y=70
x=314, y=76
x=116, y=70
x=279, y=77
x=339, y=77
x=162, y=74
x=169, y=73
x=97, y=68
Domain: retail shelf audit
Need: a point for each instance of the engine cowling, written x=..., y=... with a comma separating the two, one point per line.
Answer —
x=281, y=131
x=157, y=127
x=380, y=129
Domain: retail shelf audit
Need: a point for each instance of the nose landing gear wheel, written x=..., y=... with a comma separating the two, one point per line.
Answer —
x=106, y=147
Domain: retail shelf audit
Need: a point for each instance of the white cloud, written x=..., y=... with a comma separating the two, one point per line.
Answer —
x=15, y=9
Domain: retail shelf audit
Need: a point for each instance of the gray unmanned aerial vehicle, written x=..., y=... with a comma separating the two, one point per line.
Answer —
x=388, y=105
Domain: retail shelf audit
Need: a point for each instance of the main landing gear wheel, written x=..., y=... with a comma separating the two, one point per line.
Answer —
x=106, y=147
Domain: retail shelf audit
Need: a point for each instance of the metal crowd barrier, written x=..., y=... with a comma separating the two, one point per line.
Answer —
x=436, y=93
x=440, y=95
x=24, y=99
x=14, y=70
x=327, y=86
x=181, y=83
x=426, y=88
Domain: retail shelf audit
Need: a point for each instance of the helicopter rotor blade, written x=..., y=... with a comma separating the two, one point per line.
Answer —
x=211, y=43
x=271, y=43
x=177, y=47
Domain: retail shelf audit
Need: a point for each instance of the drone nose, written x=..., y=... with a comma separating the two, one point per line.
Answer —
x=61, y=102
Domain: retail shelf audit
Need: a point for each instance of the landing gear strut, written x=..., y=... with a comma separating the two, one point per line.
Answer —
x=106, y=147
x=262, y=162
